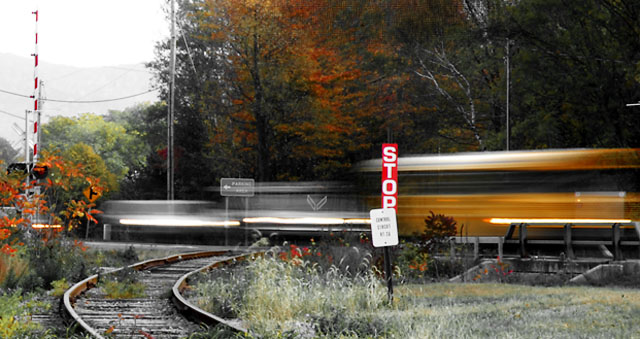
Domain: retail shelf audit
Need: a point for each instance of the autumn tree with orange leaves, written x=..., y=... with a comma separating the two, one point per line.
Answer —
x=301, y=90
x=296, y=90
x=288, y=87
x=279, y=96
x=43, y=212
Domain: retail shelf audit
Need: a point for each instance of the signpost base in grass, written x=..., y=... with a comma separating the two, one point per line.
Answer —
x=388, y=273
x=384, y=233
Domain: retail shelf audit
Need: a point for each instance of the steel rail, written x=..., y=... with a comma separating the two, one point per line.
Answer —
x=196, y=313
x=72, y=293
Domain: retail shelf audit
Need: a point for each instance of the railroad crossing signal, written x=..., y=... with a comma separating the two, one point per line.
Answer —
x=18, y=167
x=37, y=171
x=40, y=171
x=91, y=193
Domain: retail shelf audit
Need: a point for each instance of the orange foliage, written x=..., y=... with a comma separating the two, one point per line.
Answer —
x=300, y=86
x=65, y=179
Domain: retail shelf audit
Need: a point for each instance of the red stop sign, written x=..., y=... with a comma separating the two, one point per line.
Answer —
x=390, y=176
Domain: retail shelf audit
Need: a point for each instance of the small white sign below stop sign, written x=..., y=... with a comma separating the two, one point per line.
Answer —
x=384, y=227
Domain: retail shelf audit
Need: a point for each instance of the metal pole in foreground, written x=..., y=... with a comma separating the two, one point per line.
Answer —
x=226, y=220
x=388, y=273
x=389, y=200
x=246, y=215
x=172, y=67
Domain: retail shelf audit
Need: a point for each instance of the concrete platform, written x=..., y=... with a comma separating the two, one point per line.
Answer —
x=530, y=269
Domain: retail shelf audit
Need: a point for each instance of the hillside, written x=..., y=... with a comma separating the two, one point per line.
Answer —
x=68, y=83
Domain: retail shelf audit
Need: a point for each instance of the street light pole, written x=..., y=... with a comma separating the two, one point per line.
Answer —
x=172, y=68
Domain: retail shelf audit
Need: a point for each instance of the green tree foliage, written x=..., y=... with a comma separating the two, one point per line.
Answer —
x=442, y=87
x=147, y=123
x=119, y=149
x=93, y=165
x=576, y=68
x=200, y=107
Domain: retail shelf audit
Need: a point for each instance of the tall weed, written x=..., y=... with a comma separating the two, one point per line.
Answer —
x=289, y=295
x=12, y=268
x=123, y=284
x=11, y=308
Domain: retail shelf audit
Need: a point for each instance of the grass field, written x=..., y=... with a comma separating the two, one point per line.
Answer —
x=278, y=300
x=514, y=311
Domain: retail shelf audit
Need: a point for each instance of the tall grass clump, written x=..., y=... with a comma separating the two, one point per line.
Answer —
x=37, y=261
x=123, y=284
x=289, y=294
x=12, y=307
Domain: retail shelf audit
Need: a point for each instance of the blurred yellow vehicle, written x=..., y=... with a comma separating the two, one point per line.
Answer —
x=475, y=188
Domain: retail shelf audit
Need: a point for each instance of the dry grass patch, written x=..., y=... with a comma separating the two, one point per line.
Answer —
x=516, y=311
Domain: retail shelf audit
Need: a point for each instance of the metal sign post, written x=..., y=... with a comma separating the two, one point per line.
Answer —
x=236, y=187
x=246, y=215
x=384, y=233
x=384, y=228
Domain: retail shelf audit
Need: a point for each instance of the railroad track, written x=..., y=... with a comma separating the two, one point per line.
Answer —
x=155, y=315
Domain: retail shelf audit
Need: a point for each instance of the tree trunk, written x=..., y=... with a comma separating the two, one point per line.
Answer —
x=261, y=117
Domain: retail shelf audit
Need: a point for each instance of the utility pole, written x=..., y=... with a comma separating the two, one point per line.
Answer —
x=508, y=86
x=172, y=69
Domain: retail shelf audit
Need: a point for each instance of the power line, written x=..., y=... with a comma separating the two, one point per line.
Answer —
x=16, y=94
x=82, y=101
x=133, y=69
x=11, y=114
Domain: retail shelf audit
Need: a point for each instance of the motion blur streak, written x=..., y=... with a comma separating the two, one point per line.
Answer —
x=357, y=221
x=589, y=187
x=42, y=226
x=304, y=221
x=177, y=222
x=509, y=221
x=592, y=187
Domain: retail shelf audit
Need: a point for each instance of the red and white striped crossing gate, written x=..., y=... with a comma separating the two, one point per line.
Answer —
x=35, y=98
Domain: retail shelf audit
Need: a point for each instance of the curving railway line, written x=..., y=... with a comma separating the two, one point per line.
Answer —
x=163, y=313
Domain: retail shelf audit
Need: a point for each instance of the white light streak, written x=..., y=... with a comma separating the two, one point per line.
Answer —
x=508, y=221
x=304, y=221
x=178, y=222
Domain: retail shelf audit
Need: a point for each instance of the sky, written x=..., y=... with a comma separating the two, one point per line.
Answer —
x=84, y=33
